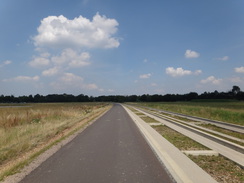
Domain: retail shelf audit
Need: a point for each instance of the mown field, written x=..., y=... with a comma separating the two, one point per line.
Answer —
x=227, y=111
x=26, y=127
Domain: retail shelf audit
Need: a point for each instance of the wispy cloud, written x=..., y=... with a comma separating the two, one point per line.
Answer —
x=191, y=54
x=235, y=80
x=178, y=72
x=239, y=69
x=23, y=78
x=145, y=76
x=224, y=58
x=211, y=80
x=4, y=63
x=145, y=60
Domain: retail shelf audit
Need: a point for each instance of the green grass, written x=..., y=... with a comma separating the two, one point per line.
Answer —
x=182, y=142
x=219, y=167
x=232, y=112
x=224, y=131
x=149, y=119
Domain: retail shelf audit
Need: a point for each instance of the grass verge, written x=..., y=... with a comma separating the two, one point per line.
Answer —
x=222, y=169
x=222, y=130
x=182, y=142
x=232, y=112
x=219, y=167
x=38, y=137
x=149, y=119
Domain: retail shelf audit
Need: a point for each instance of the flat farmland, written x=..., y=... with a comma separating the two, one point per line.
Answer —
x=26, y=130
x=226, y=111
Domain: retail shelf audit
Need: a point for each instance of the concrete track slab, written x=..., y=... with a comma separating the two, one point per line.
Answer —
x=231, y=154
x=201, y=153
x=179, y=165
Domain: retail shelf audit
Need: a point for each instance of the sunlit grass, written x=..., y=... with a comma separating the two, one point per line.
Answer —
x=182, y=142
x=232, y=112
x=219, y=167
x=23, y=129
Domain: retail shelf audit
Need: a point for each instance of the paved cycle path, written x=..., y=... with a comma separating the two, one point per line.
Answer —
x=111, y=150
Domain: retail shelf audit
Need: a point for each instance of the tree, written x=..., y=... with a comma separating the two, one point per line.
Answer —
x=235, y=90
x=191, y=96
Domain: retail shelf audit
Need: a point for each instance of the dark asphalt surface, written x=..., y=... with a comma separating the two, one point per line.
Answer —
x=111, y=150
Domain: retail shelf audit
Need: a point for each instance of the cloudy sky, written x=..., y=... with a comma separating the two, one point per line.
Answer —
x=120, y=47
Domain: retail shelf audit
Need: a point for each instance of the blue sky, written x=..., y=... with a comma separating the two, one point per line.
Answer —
x=113, y=47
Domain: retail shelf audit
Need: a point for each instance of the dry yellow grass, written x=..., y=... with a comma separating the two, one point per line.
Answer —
x=28, y=128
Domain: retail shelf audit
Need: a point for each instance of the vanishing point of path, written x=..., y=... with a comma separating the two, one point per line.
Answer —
x=111, y=150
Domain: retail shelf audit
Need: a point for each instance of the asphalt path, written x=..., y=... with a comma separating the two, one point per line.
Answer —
x=111, y=150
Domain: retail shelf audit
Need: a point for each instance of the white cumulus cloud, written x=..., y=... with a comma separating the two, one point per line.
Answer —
x=70, y=78
x=178, y=72
x=239, y=69
x=50, y=72
x=59, y=31
x=211, y=80
x=72, y=58
x=39, y=62
x=67, y=59
x=191, y=54
x=73, y=82
x=145, y=76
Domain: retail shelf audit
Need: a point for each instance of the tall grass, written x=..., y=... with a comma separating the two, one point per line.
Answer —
x=232, y=112
x=24, y=128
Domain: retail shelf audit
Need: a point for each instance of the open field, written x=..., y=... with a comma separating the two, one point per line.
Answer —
x=30, y=126
x=232, y=112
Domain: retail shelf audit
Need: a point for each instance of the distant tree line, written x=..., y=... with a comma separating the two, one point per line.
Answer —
x=235, y=94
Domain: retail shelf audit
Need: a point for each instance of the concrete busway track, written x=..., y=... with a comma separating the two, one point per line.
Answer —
x=228, y=126
x=202, y=131
x=232, y=151
x=178, y=164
